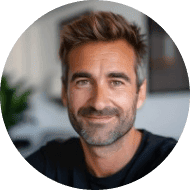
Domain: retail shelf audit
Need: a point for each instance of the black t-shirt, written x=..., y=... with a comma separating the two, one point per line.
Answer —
x=64, y=162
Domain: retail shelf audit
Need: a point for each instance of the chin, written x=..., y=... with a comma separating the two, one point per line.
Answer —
x=101, y=140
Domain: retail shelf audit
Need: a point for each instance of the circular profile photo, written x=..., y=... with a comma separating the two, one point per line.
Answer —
x=94, y=95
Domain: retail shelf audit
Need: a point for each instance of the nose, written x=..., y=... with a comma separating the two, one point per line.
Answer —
x=100, y=98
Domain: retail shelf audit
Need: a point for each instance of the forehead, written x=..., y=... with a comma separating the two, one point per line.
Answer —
x=98, y=57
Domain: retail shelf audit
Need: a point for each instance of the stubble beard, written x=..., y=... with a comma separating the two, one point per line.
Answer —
x=119, y=131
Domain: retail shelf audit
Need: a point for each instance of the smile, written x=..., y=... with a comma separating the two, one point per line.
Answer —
x=100, y=119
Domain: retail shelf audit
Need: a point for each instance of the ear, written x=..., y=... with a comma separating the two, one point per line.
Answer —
x=142, y=94
x=64, y=95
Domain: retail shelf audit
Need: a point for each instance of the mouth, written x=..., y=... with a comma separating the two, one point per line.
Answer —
x=100, y=119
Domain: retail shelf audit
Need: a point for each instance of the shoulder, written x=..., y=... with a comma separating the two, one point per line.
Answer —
x=158, y=143
x=154, y=149
x=58, y=146
x=54, y=153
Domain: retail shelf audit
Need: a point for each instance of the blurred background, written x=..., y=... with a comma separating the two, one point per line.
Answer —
x=31, y=82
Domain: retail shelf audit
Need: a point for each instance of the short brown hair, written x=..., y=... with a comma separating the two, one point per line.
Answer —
x=102, y=26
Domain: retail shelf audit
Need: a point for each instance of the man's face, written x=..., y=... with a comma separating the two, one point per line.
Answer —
x=102, y=93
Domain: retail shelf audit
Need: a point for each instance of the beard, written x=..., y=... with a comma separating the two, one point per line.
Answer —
x=98, y=134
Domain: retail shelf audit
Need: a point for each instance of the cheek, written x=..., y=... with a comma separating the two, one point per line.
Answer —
x=124, y=99
x=77, y=99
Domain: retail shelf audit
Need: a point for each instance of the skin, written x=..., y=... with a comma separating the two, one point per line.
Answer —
x=102, y=100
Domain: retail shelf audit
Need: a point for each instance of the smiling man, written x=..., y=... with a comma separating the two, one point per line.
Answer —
x=103, y=86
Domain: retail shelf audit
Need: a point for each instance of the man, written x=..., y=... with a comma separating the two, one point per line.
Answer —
x=103, y=86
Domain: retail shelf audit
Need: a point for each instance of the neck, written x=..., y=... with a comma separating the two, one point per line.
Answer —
x=104, y=161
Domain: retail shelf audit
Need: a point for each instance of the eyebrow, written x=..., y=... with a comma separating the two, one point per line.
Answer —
x=119, y=75
x=110, y=75
x=80, y=75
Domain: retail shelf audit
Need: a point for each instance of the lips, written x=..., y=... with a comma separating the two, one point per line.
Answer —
x=99, y=119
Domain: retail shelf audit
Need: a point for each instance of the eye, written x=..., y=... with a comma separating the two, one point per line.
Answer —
x=82, y=82
x=116, y=83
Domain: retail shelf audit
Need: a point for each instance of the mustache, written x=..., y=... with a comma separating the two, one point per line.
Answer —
x=91, y=111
